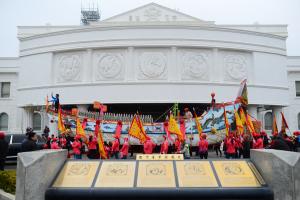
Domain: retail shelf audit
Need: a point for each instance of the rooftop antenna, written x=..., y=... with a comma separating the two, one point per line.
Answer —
x=89, y=13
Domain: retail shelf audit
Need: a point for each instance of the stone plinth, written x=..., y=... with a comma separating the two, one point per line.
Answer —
x=35, y=172
x=281, y=170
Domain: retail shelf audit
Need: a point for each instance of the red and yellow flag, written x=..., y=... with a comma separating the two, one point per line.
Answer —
x=173, y=128
x=198, y=125
x=79, y=129
x=227, y=125
x=98, y=134
x=243, y=116
x=250, y=124
x=47, y=104
x=284, y=124
x=274, y=126
x=60, y=124
x=136, y=130
x=238, y=122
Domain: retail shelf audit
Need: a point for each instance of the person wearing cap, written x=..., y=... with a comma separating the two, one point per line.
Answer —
x=203, y=147
x=54, y=144
x=76, y=145
x=124, y=149
x=92, y=147
x=164, y=146
x=186, y=151
x=149, y=146
x=3, y=150
x=29, y=143
x=115, y=148
x=230, y=146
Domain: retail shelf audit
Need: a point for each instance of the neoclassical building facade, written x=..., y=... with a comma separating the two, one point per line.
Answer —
x=151, y=54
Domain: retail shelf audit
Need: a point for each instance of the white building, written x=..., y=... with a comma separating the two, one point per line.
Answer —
x=151, y=54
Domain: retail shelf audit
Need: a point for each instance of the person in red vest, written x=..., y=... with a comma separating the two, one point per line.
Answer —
x=63, y=141
x=230, y=146
x=177, y=145
x=164, y=146
x=54, y=144
x=149, y=146
x=76, y=145
x=92, y=146
x=203, y=147
x=115, y=148
x=124, y=149
x=258, y=142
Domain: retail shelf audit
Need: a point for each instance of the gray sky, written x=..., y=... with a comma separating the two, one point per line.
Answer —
x=14, y=13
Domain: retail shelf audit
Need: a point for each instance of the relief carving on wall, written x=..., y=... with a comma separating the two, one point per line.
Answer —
x=109, y=66
x=69, y=68
x=152, y=14
x=235, y=67
x=152, y=65
x=195, y=65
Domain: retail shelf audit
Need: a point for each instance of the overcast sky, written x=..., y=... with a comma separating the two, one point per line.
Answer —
x=15, y=13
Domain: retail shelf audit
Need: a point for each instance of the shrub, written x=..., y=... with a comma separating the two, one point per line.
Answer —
x=8, y=181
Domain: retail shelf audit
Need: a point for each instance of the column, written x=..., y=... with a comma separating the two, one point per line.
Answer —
x=26, y=118
x=130, y=65
x=276, y=112
x=174, y=72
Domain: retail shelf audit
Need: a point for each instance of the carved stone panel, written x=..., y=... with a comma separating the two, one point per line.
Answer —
x=109, y=65
x=235, y=66
x=152, y=65
x=195, y=64
x=68, y=67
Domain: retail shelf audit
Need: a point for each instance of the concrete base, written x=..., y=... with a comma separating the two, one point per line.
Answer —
x=6, y=196
x=281, y=170
x=35, y=172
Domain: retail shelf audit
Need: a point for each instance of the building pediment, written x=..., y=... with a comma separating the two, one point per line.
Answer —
x=154, y=13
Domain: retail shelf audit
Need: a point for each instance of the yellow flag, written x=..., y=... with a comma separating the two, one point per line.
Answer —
x=227, y=125
x=198, y=125
x=101, y=144
x=173, y=128
x=274, y=126
x=79, y=129
x=136, y=130
x=243, y=117
x=60, y=124
x=238, y=122
x=250, y=124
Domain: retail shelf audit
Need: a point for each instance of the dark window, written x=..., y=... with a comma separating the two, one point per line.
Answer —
x=5, y=89
x=268, y=121
x=297, y=84
x=3, y=122
x=36, y=122
x=299, y=121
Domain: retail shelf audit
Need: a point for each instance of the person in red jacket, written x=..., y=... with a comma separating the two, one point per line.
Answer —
x=63, y=141
x=258, y=142
x=230, y=146
x=115, y=148
x=76, y=145
x=92, y=146
x=203, y=147
x=124, y=149
x=148, y=146
x=164, y=146
x=54, y=144
x=177, y=145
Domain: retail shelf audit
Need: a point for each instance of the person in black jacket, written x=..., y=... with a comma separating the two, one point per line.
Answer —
x=29, y=144
x=279, y=143
x=3, y=150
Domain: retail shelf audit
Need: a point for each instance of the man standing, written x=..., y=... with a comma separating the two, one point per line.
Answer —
x=124, y=149
x=115, y=148
x=3, y=150
x=203, y=147
x=29, y=144
x=164, y=146
x=148, y=146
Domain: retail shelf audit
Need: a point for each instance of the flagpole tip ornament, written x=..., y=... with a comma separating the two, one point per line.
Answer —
x=97, y=121
x=119, y=122
x=212, y=94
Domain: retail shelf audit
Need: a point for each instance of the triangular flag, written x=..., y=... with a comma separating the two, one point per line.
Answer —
x=118, y=130
x=198, y=125
x=227, y=125
x=243, y=116
x=274, y=126
x=250, y=124
x=136, y=130
x=173, y=128
x=238, y=122
x=284, y=124
x=79, y=129
x=243, y=93
x=98, y=134
x=60, y=126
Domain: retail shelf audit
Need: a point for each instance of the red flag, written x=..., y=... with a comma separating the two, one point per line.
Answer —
x=118, y=130
x=274, y=126
x=227, y=125
x=84, y=122
x=182, y=128
x=166, y=127
x=284, y=125
x=243, y=93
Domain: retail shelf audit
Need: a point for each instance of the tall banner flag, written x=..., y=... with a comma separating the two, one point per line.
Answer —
x=118, y=130
x=227, y=125
x=250, y=124
x=238, y=122
x=182, y=127
x=47, y=104
x=284, y=124
x=166, y=128
x=274, y=126
x=79, y=128
x=60, y=126
x=99, y=136
x=243, y=93
x=173, y=128
x=243, y=116
x=136, y=130
x=198, y=125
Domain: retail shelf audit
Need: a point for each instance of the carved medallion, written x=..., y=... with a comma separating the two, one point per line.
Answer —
x=70, y=67
x=79, y=169
x=236, y=66
x=152, y=65
x=195, y=65
x=117, y=170
x=155, y=169
x=152, y=14
x=110, y=66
